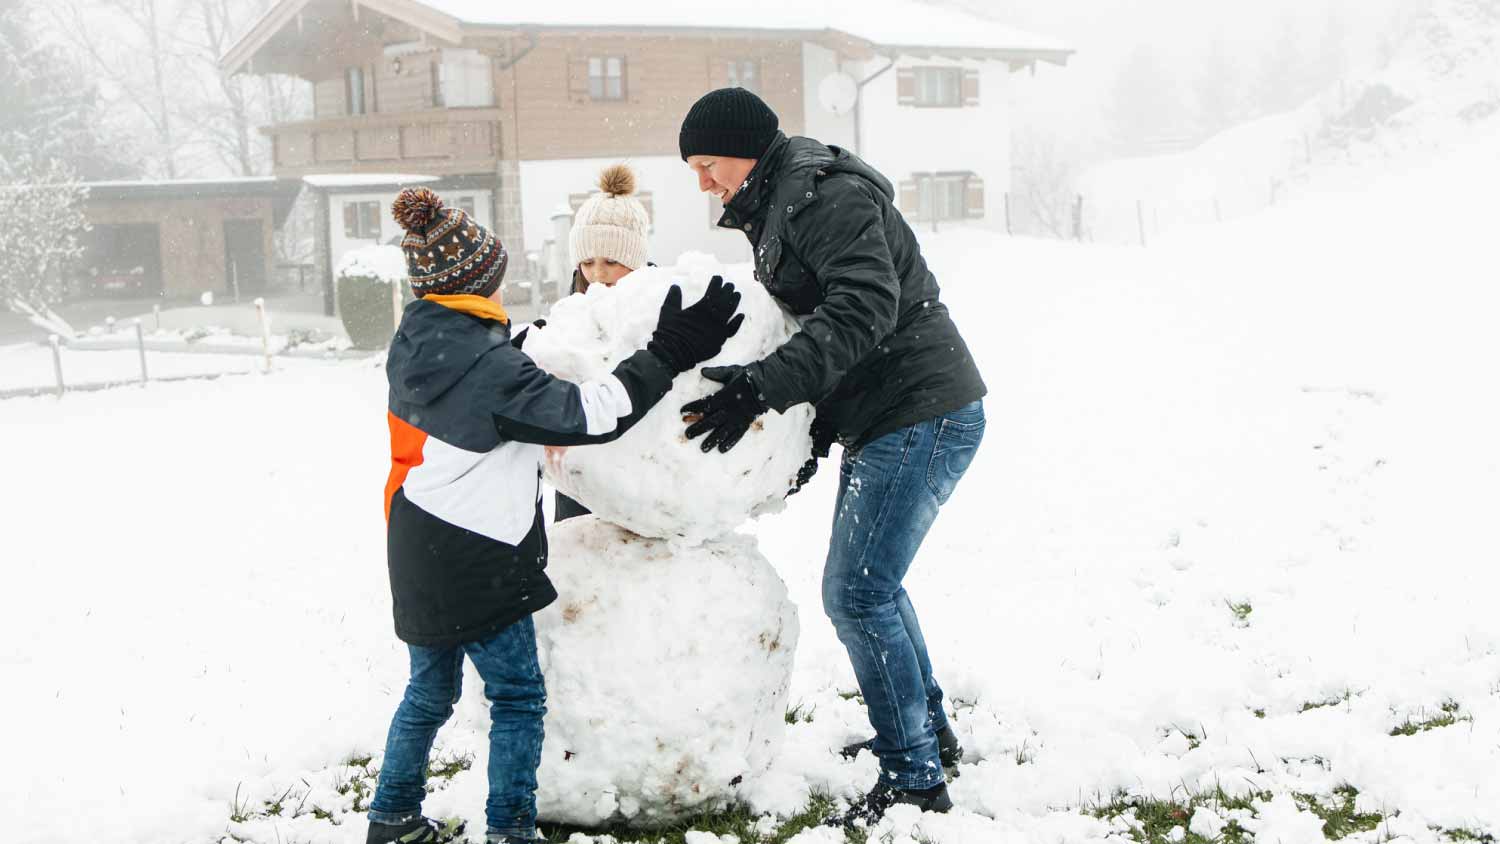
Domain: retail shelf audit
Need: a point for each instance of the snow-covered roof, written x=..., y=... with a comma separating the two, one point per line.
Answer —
x=184, y=183
x=884, y=22
x=360, y=180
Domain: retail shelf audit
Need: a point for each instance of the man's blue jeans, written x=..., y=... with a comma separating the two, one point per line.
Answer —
x=889, y=494
x=513, y=684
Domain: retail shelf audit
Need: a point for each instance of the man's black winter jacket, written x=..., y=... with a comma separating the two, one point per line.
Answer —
x=877, y=350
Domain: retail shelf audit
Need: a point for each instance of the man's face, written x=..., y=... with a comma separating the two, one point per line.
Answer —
x=720, y=175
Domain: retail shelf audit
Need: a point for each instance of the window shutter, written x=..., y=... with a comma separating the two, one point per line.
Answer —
x=971, y=87
x=974, y=197
x=578, y=78
x=910, y=199
x=906, y=86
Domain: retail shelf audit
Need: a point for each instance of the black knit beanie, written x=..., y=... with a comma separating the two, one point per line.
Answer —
x=731, y=122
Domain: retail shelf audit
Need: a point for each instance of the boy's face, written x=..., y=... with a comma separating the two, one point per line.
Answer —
x=720, y=175
x=603, y=271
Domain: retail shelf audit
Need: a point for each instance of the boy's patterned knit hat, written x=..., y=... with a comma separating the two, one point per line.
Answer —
x=447, y=252
x=611, y=224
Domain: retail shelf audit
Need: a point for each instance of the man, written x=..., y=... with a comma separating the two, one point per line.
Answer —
x=892, y=381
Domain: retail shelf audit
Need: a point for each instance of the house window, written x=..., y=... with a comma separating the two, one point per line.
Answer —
x=745, y=73
x=465, y=80
x=466, y=204
x=435, y=77
x=939, y=87
x=362, y=220
x=945, y=196
x=606, y=78
x=354, y=90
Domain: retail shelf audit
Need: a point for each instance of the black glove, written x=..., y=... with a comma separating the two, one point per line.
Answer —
x=822, y=441
x=804, y=474
x=685, y=337
x=520, y=337
x=727, y=414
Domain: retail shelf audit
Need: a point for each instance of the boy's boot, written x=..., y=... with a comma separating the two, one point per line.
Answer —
x=493, y=838
x=950, y=752
x=868, y=810
x=418, y=830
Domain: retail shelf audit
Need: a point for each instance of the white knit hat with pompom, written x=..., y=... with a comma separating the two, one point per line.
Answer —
x=611, y=224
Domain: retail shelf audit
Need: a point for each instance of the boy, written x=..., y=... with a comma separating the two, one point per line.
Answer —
x=466, y=544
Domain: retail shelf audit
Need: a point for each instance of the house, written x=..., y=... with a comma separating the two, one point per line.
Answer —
x=511, y=109
x=182, y=238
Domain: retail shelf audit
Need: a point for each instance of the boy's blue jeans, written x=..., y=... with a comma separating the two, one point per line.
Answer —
x=889, y=494
x=513, y=683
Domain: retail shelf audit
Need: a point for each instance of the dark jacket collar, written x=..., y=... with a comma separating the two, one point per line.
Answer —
x=787, y=174
x=747, y=208
x=435, y=347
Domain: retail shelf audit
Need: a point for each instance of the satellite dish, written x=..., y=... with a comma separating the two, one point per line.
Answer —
x=838, y=92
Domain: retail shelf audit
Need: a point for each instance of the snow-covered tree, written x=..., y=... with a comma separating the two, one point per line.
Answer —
x=1145, y=102
x=1283, y=82
x=47, y=108
x=41, y=220
x=1218, y=95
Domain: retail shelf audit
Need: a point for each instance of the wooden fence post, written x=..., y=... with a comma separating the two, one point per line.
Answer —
x=265, y=330
x=57, y=363
x=1140, y=220
x=1007, y=213
x=140, y=343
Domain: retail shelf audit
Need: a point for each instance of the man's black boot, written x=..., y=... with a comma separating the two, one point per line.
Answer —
x=950, y=752
x=868, y=810
x=417, y=830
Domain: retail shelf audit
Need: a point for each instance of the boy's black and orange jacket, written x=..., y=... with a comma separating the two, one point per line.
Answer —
x=469, y=414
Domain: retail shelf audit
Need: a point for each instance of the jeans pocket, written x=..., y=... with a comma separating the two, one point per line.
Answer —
x=957, y=442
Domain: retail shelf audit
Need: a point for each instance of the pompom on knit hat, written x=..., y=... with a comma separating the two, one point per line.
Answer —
x=731, y=122
x=447, y=252
x=612, y=223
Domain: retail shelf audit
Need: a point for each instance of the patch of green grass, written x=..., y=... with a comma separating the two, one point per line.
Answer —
x=1156, y=817
x=1241, y=610
x=1461, y=834
x=800, y=715
x=735, y=820
x=355, y=780
x=1448, y=714
x=1340, y=819
x=239, y=811
x=446, y=767
x=1332, y=701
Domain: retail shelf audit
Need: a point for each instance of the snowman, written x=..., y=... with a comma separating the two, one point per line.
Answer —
x=669, y=653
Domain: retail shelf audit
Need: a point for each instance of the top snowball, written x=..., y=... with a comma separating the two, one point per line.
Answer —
x=653, y=481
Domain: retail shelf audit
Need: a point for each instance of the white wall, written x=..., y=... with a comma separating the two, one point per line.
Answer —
x=680, y=214
x=390, y=232
x=900, y=140
x=821, y=124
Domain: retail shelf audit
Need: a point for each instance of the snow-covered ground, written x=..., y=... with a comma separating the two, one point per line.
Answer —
x=1228, y=479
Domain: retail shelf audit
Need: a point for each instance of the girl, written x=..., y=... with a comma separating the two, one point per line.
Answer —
x=608, y=239
x=607, y=243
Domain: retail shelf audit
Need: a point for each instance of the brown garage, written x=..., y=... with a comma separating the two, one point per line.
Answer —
x=177, y=240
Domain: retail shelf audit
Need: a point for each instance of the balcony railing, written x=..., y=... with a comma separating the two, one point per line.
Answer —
x=437, y=142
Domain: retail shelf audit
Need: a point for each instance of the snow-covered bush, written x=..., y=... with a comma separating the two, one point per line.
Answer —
x=364, y=278
x=653, y=480
x=658, y=707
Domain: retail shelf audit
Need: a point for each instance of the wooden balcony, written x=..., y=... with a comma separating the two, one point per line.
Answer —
x=439, y=142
